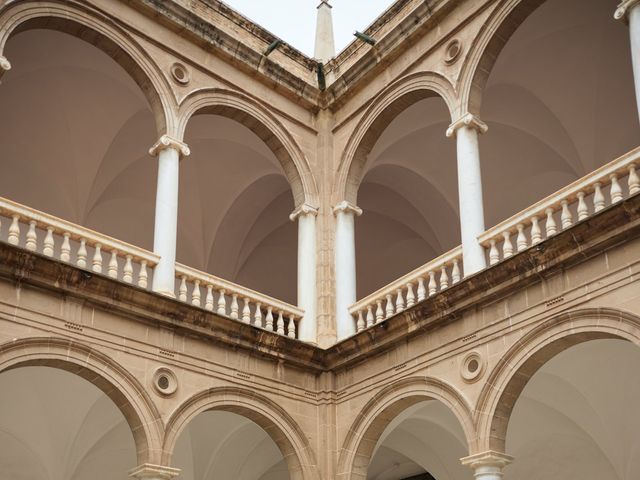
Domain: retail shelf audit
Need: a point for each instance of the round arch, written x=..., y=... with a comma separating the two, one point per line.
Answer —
x=358, y=447
x=255, y=117
x=82, y=22
x=97, y=368
x=268, y=415
x=509, y=378
x=383, y=110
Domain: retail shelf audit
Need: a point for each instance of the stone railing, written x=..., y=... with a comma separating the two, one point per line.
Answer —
x=575, y=202
x=65, y=241
x=412, y=288
x=226, y=298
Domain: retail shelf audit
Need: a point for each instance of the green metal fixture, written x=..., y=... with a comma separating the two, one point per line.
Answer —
x=275, y=44
x=364, y=37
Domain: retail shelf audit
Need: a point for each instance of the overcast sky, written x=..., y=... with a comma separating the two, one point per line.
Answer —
x=295, y=20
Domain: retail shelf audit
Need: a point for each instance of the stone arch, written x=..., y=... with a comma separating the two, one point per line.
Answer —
x=512, y=373
x=392, y=101
x=248, y=112
x=485, y=49
x=267, y=414
x=358, y=447
x=83, y=22
x=103, y=372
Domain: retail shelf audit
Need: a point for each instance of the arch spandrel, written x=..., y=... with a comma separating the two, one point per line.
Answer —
x=103, y=372
x=267, y=414
x=82, y=22
x=384, y=108
x=509, y=377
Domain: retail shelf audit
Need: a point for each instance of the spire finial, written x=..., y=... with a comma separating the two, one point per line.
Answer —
x=325, y=48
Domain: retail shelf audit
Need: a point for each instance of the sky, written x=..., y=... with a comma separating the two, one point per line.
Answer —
x=294, y=21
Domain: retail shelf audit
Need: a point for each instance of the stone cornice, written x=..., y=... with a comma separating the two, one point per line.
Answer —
x=4, y=64
x=622, y=12
x=304, y=209
x=154, y=472
x=168, y=142
x=467, y=120
x=487, y=459
x=347, y=207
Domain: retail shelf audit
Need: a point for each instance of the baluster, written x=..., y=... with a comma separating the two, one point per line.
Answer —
x=246, y=311
x=195, y=294
x=411, y=298
x=81, y=257
x=208, y=299
x=222, y=303
x=634, y=180
x=291, y=328
x=96, y=263
x=257, y=315
x=433, y=286
x=65, y=248
x=507, y=246
x=494, y=255
x=379, y=312
x=455, y=271
x=280, y=324
x=14, y=230
x=444, y=278
x=370, y=318
x=143, y=275
x=182, y=290
x=422, y=291
x=536, y=233
x=234, y=306
x=49, y=243
x=32, y=237
x=521, y=240
x=360, y=322
x=127, y=272
x=112, y=268
x=550, y=226
x=598, y=197
x=269, y=319
x=399, y=301
x=583, y=210
x=567, y=216
x=390, y=310
x=616, y=189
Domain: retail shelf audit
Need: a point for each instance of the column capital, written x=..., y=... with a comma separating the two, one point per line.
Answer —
x=467, y=120
x=4, y=64
x=168, y=142
x=622, y=12
x=487, y=459
x=302, y=210
x=347, y=207
x=148, y=471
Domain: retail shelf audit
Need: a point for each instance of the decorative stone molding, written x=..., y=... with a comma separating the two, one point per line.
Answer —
x=487, y=459
x=622, y=12
x=4, y=64
x=473, y=366
x=165, y=381
x=167, y=142
x=347, y=207
x=467, y=120
x=453, y=51
x=180, y=74
x=304, y=209
x=148, y=471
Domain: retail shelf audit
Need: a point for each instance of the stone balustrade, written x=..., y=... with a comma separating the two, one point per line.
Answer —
x=576, y=202
x=56, y=238
x=408, y=290
x=236, y=302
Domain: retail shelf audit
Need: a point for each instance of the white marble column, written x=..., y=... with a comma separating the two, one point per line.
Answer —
x=629, y=11
x=487, y=465
x=307, y=266
x=169, y=152
x=153, y=472
x=466, y=131
x=345, y=267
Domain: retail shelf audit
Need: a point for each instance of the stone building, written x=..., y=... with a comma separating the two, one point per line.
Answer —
x=418, y=258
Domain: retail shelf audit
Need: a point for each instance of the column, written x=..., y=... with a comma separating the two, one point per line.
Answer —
x=629, y=12
x=307, y=266
x=466, y=131
x=487, y=465
x=168, y=151
x=153, y=472
x=345, y=267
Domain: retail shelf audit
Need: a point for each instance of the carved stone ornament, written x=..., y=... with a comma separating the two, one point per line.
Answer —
x=467, y=120
x=167, y=142
x=304, y=209
x=4, y=64
x=153, y=472
x=347, y=207
x=487, y=459
x=622, y=12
